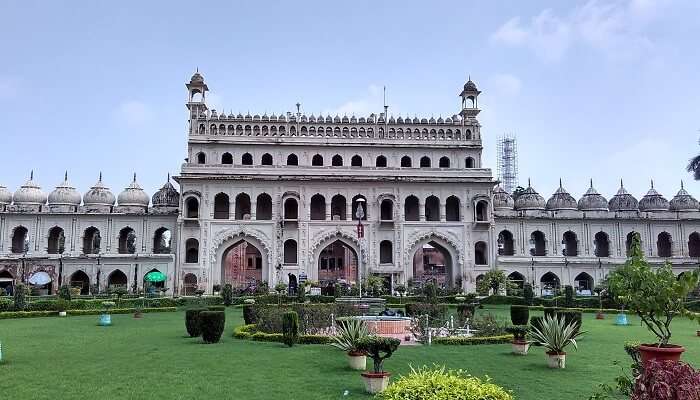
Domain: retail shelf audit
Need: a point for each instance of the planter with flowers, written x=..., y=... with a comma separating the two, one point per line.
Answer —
x=656, y=296
x=378, y=348
x=349, y=332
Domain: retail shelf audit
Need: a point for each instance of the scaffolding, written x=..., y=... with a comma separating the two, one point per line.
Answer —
x=507, y=167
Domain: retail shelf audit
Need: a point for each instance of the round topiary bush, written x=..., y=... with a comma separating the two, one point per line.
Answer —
x=212, y=325
x=290, y=328
x=519, y=315
x=249, y=314
x=570, y=316
x=192, y=321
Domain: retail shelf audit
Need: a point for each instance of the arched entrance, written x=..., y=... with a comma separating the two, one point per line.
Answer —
x=242, y=265
x=549, y=284
x=7, y=282
x=79, y=279
x=151, y=287
x=116, y=279
x=583, y=284
x=432, y=262
x=337, y=263
x=189, y=284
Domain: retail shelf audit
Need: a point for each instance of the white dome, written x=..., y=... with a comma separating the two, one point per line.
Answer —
x=501, y=199
x=64, y=195
x=98, y=195
x=133, y=195
x=29, y=193
x=529, y=199
x=5, y=195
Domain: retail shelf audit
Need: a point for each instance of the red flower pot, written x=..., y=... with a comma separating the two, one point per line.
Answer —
x=652, y=352
x=600, y=315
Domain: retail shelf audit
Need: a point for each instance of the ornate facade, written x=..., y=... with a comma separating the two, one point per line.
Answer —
x=283, y=198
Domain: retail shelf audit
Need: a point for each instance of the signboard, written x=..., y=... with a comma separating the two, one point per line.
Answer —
x=315, y=291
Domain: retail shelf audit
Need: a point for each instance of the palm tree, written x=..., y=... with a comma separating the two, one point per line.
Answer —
x=694, y=167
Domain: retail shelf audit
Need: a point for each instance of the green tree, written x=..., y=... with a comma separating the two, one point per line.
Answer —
x=493, y=280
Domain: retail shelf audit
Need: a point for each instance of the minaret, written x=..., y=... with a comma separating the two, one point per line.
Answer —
x=470, y=103
x=196, y=105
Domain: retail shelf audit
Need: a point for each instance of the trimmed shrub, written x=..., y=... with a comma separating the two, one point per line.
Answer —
x=216, y=308
x=519, y=315
x=667, y=380
x=212, y=325
x=192, y=323
x=290, y=328
x=571, y=316
x=568, y=296
x=473, y=340
x=438, y=384
x=435, y=311
x=313, y=318
x=497, y=299
x=528, y=293
x=227, y=294
x=34, y=314
x=249, y=314
x=20, y=297
x=248, y=332
x=64, y=292
x=536, y=322
x=519, y=332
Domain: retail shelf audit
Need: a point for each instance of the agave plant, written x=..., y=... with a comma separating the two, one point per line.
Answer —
x=554, y=334
x=348, y=334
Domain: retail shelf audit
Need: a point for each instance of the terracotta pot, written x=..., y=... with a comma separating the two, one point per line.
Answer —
x=600, y=315
x=357, y=361
x=652, y=352
x=697, y=333
x=556, y=360
x=520, y=347
x=375, y=382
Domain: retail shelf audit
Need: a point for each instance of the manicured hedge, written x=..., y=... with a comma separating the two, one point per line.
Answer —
x=212, y=324
x=497, y=299
x=435, y=311
x=192, y=321
x=248, y=332
x=313, y=318
x=34, y=314
x=216, y=308
x=519, y=314
x=249, y=314
x=474, y=340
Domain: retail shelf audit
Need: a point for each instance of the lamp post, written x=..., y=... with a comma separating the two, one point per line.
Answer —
x=360, y=214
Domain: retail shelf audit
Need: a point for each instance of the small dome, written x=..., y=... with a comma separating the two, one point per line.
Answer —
x=683, y=201
x=353, y=119
x=5, y=195
x=561, y=200
x=29, y=193
x=197, y=79
x=623, y=201
x=653, y=201
x=448, y=120
x=529, y=200
x=167, y=196
x=470, y=86
x=440, y=120
x=392, y=120
x=64, y=195
x=361, y=120
x=329, y=119
x=346, y=119
x=431, y=120
x=133, y=195
x=592, y=200
x=416, y=120
x=501, y=199
x=98, y=195
x=399, y=120
x=423, y=120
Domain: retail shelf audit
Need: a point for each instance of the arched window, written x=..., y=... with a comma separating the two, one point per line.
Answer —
x=221, y=206
x=117, y=279
x=480, y=253
x=356, y=161
x=291, y=209
x=292, y=159
x=469, y=162
x=189, y=284
x=266, y=159
x=337, y=161
x=91, y=241
x=79, y=279
x=57, y=241
x=570, y=242
x=482, y=211
x=192, y=208
x=452, y=208
x=20, y=240
x=406, y=162
x=338, y=207
x=444, y=162
x=517, y=280
x=162, y=240
x=386, y=210
x=127, y=241
x=694, y=245
x=663, y=244
x=506, y=245
x=425, y=162
x=318, y=207
x=583, y=282
x=549, y=284
x=432, y=209
x=192, y=251
x=381, y=161
x=227, y=158
x=242, y=206
x=247, y=159
x=317, y=160
x=410, y=209
x=628, y=242
x=602, y=244
x=290, y=251
x=538, y=242
x=356, y=201
x=386, y=252
x=263, y=207
x=201, y=158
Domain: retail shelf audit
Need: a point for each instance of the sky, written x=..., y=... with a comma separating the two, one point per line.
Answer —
x=591, y=89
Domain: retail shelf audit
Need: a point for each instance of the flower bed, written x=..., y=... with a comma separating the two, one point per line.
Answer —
x=249, y=332
x=473, y=340
x=35, y=314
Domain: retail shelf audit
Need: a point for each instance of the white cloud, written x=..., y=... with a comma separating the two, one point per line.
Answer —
x=505, y=85
x=616, y=28
x=134, y=112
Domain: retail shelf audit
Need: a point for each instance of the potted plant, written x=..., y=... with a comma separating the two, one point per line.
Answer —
x=105, y=317
x=349, y=332
x=599, y=290
x=138, y=312
x=61, y=306
x=656, y=296
x=378, y=348
x=554, y=334
x=519, y=344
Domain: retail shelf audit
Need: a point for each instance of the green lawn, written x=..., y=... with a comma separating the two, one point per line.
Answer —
x=72, y=358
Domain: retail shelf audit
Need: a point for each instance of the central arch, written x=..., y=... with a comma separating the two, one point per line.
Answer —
x=322, y=242
x=242, y=265
x=224, y=240
x=338, y=262
x=434, y=243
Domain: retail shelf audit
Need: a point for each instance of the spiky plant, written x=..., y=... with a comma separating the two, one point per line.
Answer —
x=554, y=334
x=348, y=333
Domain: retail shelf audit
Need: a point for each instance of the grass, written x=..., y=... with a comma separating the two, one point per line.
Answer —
x=72, y=358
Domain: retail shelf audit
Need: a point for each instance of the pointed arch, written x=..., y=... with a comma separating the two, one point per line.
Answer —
x=506, y=244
